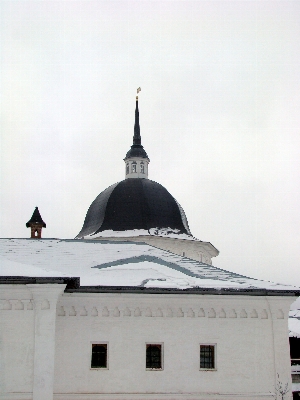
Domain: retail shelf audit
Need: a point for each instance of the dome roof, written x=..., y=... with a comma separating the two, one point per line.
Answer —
x=136, y=150
x=134, y=204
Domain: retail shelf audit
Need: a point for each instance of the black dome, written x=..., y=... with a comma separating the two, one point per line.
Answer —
x=134, y=204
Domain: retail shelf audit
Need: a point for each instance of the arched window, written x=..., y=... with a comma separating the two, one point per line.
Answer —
x=99, y=356
x=36, y=233
x=142, y=167
x=127, y=168
x=153, y=356
x=133, y=167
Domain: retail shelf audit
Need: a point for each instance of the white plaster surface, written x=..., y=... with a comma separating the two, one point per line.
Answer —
x=138, y=173
x=246, y=364
x=44, y=299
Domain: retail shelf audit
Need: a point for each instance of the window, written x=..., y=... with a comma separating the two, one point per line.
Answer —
x=133, y=167
x=142, y=168
x=207, y=356
x=99, y=355
x=295, y=350
x=153, y=356
x=127, y=168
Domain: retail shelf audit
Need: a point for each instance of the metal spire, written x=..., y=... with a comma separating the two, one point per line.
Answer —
x=137, y=134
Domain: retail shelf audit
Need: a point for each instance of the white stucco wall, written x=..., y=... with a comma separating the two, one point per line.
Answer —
x=138, y=162
x=247, y=364
x=27, y=340
x=16, y=339
x=251, y=335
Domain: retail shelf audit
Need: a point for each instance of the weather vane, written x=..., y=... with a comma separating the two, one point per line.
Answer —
x=138, y=91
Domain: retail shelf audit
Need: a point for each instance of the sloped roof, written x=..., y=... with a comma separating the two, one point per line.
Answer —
x=294, y=319
x=121, y=264
x=36, y=219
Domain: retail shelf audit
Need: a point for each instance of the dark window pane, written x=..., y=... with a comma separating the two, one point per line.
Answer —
x=153, y=356
x=99, y=356
x=295, y=347
x=207, y=357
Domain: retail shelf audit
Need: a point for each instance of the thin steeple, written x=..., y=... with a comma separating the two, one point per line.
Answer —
x=136, y=159
x=137, y=132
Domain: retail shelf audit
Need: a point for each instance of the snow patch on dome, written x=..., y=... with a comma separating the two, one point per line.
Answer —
x=169, y=232
x=111, y=233
x=164, y=232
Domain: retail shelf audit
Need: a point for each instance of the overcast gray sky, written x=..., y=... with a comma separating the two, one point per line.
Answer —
x=219, y=115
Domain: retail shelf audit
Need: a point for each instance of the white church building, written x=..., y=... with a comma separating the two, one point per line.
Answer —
x=133, y=308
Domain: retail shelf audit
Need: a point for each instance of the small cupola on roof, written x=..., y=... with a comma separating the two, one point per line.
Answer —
x=36, y=224
x=136, y=160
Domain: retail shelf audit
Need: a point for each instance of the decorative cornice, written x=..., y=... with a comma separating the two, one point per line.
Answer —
x=83, y=310
x=146, y=396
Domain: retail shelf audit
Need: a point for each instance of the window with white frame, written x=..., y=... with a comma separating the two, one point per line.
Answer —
x=208, y=356
x=99, y=356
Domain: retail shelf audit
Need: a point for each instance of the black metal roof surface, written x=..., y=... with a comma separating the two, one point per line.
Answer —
x=134, y=204
x=36, y=219
x=136, y=150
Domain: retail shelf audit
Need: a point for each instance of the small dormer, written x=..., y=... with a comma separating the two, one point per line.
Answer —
x=136, y=160
x=36, y=224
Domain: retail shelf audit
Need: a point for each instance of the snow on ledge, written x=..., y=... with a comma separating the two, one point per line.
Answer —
x=296, y=387
x=296, y=369
x=294, y=326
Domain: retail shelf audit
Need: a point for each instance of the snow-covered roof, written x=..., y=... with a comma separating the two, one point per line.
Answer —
x=117, y=263
x=294, y=319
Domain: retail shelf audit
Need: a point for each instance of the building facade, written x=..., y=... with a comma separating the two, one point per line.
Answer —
x=134, y=309
x=48, y=337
